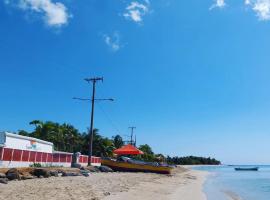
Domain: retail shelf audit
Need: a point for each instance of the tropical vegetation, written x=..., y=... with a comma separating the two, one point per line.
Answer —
x=67, y=138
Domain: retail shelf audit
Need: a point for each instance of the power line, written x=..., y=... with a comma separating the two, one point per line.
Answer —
x=93, y=99
x=109, y=119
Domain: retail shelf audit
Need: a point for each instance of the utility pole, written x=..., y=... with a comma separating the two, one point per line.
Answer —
x=93, y=99
x=91, y=131
x=131, y=135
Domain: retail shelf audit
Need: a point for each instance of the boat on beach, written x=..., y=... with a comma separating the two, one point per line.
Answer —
x=246, y=168
x=136, y=166
x=126, y=164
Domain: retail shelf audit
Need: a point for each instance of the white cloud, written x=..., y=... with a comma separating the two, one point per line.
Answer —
x=247, y=2
x=54, y=14
x=113, y=41
x=218, y=4
x=135, y=11
x=262, y=8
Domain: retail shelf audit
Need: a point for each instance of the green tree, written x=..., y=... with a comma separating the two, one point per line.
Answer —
x=118, y=141
x=64, y=136
x=148, y=153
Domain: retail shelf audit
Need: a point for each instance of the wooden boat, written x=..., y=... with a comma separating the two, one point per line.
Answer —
x=136, y=167
x=246, y=168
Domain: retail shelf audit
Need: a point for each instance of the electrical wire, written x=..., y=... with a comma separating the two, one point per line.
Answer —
x=109, y=118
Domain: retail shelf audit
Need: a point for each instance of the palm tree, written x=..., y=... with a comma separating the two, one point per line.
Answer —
x=118, y=141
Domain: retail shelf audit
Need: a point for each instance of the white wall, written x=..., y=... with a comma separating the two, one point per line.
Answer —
x=10, y=164
x=15, y=141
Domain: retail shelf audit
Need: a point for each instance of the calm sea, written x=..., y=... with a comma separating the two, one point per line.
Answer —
x=224, y=182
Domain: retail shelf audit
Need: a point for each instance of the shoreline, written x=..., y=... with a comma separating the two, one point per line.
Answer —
x=185, y=184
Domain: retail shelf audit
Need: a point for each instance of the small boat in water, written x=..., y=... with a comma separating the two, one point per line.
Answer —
x=246, y=168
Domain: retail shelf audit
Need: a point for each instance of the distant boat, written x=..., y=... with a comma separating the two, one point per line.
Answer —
x=246, y=168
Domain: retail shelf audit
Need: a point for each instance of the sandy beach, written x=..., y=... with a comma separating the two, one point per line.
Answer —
x=183, y=184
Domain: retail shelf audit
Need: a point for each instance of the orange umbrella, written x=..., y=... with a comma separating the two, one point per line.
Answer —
x=128, y=150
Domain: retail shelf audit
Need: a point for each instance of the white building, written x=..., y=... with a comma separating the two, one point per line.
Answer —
x=22, y=151
x=15, y=141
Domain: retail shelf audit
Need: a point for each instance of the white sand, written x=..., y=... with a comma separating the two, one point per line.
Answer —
x=182, y=185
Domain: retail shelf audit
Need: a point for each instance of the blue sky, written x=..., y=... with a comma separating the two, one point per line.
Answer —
x=193, y=76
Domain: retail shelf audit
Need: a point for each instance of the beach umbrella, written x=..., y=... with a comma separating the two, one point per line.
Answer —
x=128, y=150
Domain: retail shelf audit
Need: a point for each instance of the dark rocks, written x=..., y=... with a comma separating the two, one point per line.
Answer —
x=13, y=174
x=39, y=172
x=27, y=177
x=4, y=180
x=91, y=168
x=54, y=173
x=71, y=174
x=76, y=165
x=105, y=169
x=85, y=172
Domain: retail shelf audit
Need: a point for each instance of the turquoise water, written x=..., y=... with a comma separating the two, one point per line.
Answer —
x=224, y=181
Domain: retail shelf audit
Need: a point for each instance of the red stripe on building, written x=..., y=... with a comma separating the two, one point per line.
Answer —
x=25, y=156
x=32, y=156
x=17, y=155
x=38, y=157
x=1, y=153
x=7, y=154
x=63, y=158
x=50, y=158
x=69, y=158
x=55, y=158
x=44, y=157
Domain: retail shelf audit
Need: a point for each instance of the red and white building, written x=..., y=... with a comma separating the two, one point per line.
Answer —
x=22, y=151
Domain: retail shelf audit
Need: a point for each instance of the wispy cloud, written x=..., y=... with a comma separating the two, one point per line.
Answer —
x=247, y=2
x=54, y=14
x=136, y=10
x=112, y=41
x=218, y=4
x=261, y=8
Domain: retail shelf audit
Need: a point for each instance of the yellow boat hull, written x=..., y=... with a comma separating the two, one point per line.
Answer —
x=131, y=167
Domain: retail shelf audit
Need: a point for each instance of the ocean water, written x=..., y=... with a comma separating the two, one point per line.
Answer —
x=224, y=182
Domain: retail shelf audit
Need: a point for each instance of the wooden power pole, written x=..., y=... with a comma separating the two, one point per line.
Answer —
x=93, y=99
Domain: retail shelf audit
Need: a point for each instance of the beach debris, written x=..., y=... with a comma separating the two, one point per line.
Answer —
x=2, y=175
x=71, y=174
x=39, y=172
x=27, y=177
x=54, y=173
x=85, y=173
x=91, y=168
x=4, y=180
x=107, y=193
x=105, y=169
x=13, y=174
